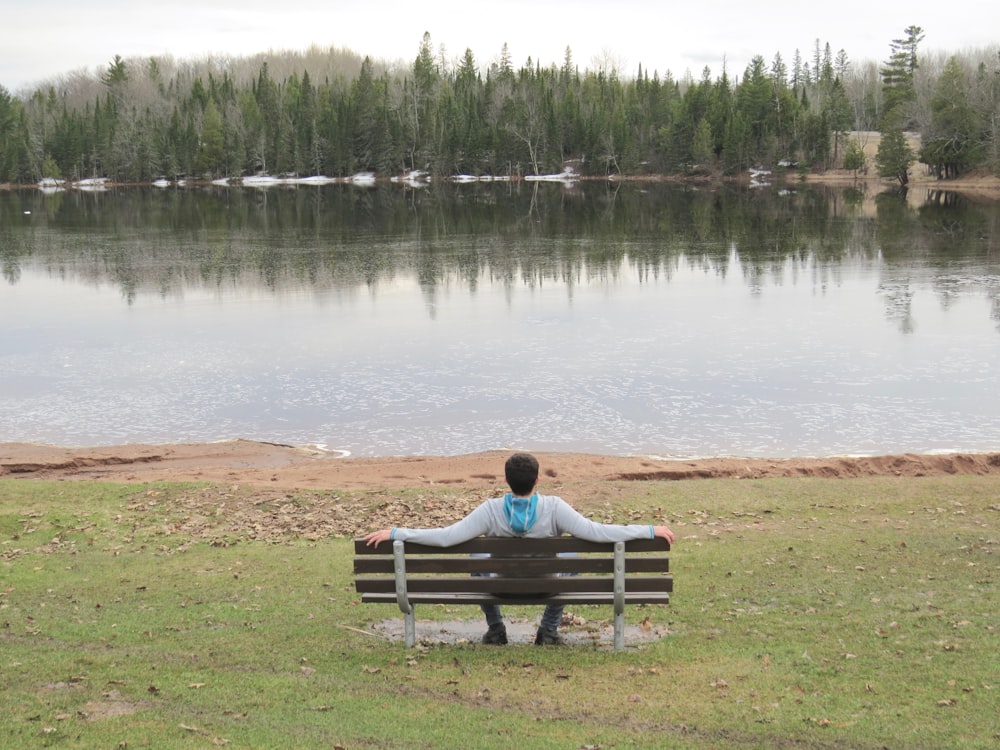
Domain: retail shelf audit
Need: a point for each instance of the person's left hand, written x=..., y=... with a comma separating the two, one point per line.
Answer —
x=664, y=532
x=377, y=537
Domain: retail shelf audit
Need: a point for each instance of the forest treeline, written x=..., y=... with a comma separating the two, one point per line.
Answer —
x=333, y=113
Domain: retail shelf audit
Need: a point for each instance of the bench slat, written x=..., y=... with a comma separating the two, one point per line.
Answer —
x=516, y=585
x=473, y=597
x=515, y=546
x=508, y=565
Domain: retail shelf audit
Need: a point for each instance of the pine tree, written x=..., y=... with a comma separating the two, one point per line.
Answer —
x=210, y=159
x=898, y=78
x=13, y=138
x=839, y=115
x=894, y=156
x=854, y=156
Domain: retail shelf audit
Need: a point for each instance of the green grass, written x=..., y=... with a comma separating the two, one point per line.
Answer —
x=807, y=613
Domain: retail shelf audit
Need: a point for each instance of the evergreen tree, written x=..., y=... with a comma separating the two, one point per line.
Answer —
x=755, y=102
x=703, y=146
x=841, y=65
x=779, y=71
x=854, y=156
x=894, y=156
x=505, y=68
x=424, y=90
x=898, y=72
x=952, y=144
x=799, y=77
x=736, y=149
x=211, y=161
x=839, y=115
x=13, y=139
x=116, y=79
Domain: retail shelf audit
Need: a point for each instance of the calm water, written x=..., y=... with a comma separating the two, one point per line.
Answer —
x=454, y=319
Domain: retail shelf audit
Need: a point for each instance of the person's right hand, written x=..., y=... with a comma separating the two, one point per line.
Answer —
x=377, y=537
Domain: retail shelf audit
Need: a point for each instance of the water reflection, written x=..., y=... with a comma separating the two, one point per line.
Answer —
x=161, y=241
x=623, y=318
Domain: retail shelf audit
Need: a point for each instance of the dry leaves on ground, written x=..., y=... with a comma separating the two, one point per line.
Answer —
x=226, y=515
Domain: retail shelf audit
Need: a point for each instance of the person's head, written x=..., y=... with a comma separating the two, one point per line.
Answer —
x=521, y=470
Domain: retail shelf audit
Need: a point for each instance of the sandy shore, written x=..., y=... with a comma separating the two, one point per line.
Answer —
x=265, y=464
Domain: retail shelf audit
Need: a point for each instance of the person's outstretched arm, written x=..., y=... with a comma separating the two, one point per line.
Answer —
x=473, y=525
x=570, y=521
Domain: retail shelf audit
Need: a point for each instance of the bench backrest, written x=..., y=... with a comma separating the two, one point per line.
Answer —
x=517, y=567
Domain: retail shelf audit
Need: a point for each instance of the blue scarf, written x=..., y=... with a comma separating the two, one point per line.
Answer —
x=520, y=511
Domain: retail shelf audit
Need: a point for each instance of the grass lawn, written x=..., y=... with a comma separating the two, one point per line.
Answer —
x=807, y=613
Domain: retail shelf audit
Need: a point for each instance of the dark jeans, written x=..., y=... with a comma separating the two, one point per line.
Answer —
x=551, y=617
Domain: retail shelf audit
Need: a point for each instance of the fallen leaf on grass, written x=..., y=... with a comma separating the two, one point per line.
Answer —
x=371, y=670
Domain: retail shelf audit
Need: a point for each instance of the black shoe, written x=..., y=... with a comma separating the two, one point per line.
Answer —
x=496, y=635
x=548, y=637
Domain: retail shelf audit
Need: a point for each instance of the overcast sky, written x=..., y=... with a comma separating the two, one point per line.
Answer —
x=40, y=39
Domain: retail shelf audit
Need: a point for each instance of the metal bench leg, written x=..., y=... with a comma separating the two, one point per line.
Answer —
x=619, y=596
x=402, y=598
x=410, y=628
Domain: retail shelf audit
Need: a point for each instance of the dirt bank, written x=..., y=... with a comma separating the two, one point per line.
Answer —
x=265, y=464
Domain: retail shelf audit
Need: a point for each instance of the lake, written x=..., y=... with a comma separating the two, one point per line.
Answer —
x=628, y=319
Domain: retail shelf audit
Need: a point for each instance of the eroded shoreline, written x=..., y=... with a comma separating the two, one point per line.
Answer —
x=260, y=463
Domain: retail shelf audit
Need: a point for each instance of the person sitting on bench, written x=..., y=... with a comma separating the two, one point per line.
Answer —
x=522, y=512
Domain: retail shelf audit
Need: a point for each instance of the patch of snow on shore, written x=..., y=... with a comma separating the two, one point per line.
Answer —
x=568, y=175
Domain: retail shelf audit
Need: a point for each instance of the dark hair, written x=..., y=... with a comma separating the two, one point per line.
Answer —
x=521, y=470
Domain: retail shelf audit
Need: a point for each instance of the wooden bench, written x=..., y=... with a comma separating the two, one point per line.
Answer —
x=517, y=571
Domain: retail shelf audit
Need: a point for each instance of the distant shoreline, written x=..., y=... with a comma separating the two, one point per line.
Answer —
x=973, y=182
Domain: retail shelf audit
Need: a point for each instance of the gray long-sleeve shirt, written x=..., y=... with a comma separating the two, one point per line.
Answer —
x=553, y=517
